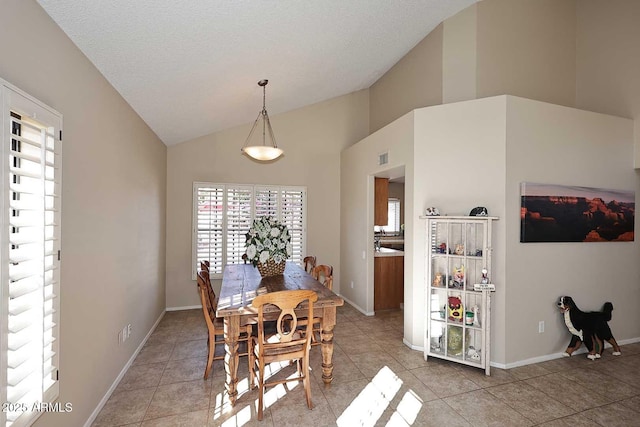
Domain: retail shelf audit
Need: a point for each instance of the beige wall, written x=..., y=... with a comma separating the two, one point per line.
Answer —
x=517, y=47
x=476, y=153
x=113, y=204
x=312, y=139
x=436, y=156
x=414, y=82
x=527, y=48
x=460, y=163
x=558, y=145
x=459, y=56
x=358, y=167
x=608, y=61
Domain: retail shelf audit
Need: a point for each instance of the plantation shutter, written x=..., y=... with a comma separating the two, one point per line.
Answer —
x=209, y=227
x=223, y=214
x=239, y=218
x=292, y=214
x=30, y=268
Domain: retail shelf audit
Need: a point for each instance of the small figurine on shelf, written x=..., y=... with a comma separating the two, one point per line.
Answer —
x=455, y=308
x=468, y=318
x=443, y=248
x=473, y=354
x=458, y=277
x=479, y=211
x=459, y=250
x=476, y=316
x=432, y=211
x=485, y=277
x=437, y=280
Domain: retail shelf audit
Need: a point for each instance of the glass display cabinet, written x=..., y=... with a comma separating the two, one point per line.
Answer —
x=459, y=286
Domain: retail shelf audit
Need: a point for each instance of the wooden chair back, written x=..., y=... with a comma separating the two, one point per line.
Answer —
x=286, y=344
x=323, y=274
x=286, y=336
x=207, y=278
x=215, y=326
x=309, y=263
x=208, y=308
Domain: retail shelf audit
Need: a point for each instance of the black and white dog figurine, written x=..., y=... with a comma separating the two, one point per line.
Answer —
x=588, y=327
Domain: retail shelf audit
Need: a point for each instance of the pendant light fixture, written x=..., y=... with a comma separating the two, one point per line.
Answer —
x=264, y=152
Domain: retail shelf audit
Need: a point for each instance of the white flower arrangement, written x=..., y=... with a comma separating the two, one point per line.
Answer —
x=268, y=239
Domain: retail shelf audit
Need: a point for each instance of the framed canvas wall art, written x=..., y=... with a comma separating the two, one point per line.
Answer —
x=561, y=213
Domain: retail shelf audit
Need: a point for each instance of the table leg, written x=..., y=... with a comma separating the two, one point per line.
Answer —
x=231, y=335
x=327, y=324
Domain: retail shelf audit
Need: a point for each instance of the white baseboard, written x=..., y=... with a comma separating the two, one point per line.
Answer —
x=188, y=307
x=533, y=360
x=412, y=347
x=548, y=357
x=357, y=307
x=126, y=367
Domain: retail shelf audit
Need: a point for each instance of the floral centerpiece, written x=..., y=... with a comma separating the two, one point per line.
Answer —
x=268, y=245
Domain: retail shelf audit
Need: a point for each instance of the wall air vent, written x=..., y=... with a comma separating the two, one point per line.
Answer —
x=383, y=158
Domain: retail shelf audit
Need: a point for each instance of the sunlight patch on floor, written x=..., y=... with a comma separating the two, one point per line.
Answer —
x=222, y=405
x=367, y=408
x=407, y=410
x=272, y=395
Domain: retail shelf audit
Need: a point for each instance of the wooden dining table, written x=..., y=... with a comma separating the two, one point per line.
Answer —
x=241, y=283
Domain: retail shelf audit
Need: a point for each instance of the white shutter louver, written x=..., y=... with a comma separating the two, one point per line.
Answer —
x=239, y=218
x=30, y=257
x=209, y=227
x=293, y=216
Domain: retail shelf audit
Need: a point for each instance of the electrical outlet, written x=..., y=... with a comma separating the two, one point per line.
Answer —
x=541, y=326
x=352, y=284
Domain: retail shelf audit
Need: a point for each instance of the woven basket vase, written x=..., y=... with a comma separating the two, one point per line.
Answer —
x=270, y=268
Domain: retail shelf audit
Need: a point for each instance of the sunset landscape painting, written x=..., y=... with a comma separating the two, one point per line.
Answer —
x=560, y=213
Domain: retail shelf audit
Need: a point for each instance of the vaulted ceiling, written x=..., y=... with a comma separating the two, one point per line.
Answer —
x=190, y=68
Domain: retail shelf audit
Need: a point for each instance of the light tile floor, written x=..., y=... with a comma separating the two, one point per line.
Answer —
x=377, y=381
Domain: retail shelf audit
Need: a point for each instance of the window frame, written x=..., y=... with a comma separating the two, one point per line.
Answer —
x=255, y=190
x=38, y=303
x=393, y=204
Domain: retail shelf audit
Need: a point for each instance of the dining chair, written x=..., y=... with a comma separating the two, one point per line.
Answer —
x=286, y=343
x=323, y=274
x=215, y=325
x=309, y=263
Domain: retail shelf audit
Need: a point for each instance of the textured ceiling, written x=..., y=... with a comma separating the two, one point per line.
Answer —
x=190, y=68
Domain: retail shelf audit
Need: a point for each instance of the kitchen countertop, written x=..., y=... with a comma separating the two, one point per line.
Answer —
x=384, y=252
x=391, y=240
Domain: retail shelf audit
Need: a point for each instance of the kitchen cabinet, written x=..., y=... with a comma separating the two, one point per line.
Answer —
x=388, y=279
x=381, y=202
x=458, y=315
